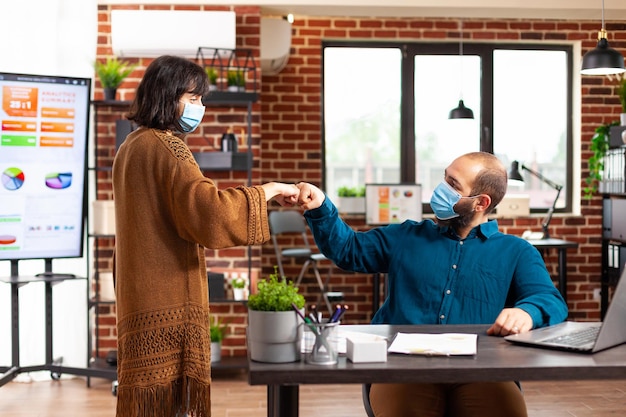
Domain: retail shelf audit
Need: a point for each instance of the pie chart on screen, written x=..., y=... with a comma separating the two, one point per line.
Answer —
x=59, y=180
x=7, y=239
x=13, y=179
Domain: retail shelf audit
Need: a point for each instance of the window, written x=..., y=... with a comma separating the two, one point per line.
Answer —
x=386, y=111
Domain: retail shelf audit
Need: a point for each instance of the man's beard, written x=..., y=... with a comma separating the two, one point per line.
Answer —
x=465, y=210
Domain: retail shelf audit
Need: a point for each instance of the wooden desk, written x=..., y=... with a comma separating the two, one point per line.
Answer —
x=497, y=360
x=541, y=244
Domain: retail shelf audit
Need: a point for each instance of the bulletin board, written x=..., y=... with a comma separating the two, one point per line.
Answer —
x=392, y=203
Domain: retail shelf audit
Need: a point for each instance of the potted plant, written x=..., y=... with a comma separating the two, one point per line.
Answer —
x=239, y=288
x=111, y=73
x=351, y=199
x=218, y=331
x=236, y=80
x=599, y=147
x=213, y=75
x=274, y=328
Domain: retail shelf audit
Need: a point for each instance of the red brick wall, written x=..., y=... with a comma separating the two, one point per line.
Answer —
x=287, y=141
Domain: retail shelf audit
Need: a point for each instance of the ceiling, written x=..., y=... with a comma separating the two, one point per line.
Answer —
x=548, y=9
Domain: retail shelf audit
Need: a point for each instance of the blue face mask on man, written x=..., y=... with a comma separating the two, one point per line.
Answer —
x=444, y=199
x=191, y=117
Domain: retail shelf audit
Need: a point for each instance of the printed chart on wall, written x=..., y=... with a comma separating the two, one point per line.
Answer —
x=43, y=148
x=392, y=203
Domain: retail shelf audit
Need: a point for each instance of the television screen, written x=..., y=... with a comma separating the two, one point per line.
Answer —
x=43, y=149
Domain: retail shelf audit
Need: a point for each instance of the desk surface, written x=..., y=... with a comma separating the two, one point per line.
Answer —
x=552, y=243
x=496, y=360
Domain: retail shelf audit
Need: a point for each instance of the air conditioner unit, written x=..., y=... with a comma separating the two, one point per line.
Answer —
x=151, y=33
x=275, y=44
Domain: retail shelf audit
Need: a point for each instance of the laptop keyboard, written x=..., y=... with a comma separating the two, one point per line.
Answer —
x=576, y=339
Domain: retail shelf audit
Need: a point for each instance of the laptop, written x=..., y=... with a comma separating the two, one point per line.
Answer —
x=589, y=337
x=513, y=205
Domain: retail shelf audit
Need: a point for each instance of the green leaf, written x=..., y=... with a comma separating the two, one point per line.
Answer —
x=113, y=71
x=275, y=295
x=599, y=147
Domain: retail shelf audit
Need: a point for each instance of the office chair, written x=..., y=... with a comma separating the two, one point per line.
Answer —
x=291, y=222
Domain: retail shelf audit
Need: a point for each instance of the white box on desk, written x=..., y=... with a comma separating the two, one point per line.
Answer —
x=361, y=347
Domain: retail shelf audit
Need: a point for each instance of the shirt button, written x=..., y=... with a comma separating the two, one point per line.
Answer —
x=461, y=243
x=448, y=292
x=442, y=317
x=453, y=266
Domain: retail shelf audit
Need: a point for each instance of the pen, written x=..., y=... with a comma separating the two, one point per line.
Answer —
x=315, y=314
x=343, y=310
x=336, y=314
x=306, y=319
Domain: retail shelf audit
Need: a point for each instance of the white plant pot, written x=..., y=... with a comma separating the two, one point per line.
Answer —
x=239, y=294
x=274, y=336
x=216, y=351
x=622, y=119
x=351, y=205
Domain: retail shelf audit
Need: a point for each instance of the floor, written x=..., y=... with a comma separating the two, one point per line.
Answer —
x=233, y=397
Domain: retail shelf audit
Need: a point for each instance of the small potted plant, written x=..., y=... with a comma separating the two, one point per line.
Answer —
x=274, y=327
x=111, y=73
x=351, y=199
x=239, y=288
x=236, y=80
x=620, y=89
x=599, y=147
x=218, y=331
x=213, y=75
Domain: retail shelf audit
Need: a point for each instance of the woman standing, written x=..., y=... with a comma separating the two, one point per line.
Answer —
x=167, y=213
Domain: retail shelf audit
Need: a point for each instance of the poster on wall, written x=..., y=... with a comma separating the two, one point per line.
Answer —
x=43, y=148
x=392, y=203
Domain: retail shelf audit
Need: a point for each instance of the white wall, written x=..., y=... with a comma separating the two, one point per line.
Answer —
x=48, y=37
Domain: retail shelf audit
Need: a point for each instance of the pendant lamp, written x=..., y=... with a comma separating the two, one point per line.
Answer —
x=602, y=60
x=461, y=112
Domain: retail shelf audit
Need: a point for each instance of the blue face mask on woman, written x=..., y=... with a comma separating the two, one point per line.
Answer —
x=191, y=117
x=443, y=201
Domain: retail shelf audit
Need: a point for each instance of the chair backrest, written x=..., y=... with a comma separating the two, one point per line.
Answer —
x=288, y=222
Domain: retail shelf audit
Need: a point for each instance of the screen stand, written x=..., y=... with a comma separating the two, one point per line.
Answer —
x=14, y=268
x=48, y=270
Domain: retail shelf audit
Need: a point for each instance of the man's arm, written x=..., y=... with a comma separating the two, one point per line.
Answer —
x=537, y=302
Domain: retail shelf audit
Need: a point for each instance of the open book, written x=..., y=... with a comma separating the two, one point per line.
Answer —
x=443, y=344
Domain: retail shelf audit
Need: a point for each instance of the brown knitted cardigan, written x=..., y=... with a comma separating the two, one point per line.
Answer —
x=167, y=212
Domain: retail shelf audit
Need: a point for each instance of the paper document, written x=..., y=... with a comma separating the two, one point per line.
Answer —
x=444, y=344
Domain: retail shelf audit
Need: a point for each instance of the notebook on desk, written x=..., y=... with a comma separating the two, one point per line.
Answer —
x=583, y=337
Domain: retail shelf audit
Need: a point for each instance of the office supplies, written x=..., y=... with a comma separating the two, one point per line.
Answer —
x=441, y=344
x=363, y=347
x=583, y=337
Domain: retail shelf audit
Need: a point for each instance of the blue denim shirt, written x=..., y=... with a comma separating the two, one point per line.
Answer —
x=435, y=277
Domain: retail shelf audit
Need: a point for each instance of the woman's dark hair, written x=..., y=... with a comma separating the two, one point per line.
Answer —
x=167, y=78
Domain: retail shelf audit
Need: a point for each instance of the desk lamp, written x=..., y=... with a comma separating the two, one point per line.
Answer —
x=515, y=175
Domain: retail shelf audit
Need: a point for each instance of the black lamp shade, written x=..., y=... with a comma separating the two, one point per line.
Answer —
x=461, y=112
x=602, y=60
x=514, y=173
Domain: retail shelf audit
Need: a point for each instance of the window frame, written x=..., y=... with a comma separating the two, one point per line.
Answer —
x=485, y=51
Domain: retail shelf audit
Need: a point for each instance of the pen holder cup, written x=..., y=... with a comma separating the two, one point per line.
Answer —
x=321, y=343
